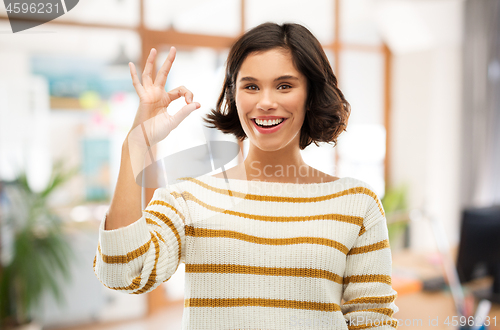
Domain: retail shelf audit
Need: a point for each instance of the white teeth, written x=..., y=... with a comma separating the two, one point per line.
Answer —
x=268, y=122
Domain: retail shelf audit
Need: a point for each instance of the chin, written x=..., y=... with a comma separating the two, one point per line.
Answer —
x=271, y=146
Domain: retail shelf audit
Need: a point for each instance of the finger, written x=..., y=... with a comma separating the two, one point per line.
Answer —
x=147, y=79
x=161, y=77
x=135, y=79
x=184, y=112
x=181, y=91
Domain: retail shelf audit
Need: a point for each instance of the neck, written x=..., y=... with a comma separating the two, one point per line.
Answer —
x=284, y=165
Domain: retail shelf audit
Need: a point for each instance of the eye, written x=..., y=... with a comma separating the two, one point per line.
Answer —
x=284, y=87
x=251, y=87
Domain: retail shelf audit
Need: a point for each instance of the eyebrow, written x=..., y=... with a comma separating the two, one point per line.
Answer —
x=286, y=77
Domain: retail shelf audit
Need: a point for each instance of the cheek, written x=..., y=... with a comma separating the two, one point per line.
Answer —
x=241, y=110
x=296, y=102
x=244, y=105
x=242, y=100
x=241, y=117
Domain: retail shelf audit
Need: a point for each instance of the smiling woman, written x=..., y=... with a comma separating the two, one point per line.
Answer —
x=279, y=73
x=328, y=110
x=264, y=248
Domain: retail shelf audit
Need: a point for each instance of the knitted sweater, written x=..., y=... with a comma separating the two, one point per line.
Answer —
x=260, y=255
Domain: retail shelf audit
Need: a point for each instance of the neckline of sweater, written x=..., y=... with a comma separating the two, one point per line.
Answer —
x=245, y=184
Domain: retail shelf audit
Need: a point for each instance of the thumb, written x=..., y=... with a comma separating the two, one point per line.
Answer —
x=184, y=112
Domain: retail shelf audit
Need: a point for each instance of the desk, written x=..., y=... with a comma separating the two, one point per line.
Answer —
x=418, y=309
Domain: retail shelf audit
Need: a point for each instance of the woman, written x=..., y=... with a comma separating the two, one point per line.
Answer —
x=271, y=243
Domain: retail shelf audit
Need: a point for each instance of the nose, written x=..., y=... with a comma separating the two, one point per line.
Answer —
x=267, y=100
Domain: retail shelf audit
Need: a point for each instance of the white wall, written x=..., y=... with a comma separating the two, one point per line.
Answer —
x=426, y=117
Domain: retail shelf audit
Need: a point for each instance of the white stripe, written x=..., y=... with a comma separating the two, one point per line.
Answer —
x=230, y=251
x=341, y=204
x=262, y=318
x=262, y=286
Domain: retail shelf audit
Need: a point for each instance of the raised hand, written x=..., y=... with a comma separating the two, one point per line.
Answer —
x=154, y=100
x=152, y=122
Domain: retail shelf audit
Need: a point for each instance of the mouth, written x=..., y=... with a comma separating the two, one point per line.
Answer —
x=268, y=123
x=268, y=126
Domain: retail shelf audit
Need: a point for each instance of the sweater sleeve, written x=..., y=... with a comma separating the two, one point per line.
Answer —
x=137, y=258
x=367, y=291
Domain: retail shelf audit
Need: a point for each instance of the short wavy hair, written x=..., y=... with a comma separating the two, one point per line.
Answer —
x=327, y=111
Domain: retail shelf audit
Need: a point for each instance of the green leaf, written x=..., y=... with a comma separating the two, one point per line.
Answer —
x=41, y=252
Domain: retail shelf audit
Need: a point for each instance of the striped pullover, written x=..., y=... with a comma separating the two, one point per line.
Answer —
x=260, y=255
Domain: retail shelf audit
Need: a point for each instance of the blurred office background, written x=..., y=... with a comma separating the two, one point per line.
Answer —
x=422, y=78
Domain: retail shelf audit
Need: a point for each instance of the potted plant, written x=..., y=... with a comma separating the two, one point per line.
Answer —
x=38, y=253
x=396, y=212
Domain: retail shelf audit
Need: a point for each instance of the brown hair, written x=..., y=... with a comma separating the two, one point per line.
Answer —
x=327, y=111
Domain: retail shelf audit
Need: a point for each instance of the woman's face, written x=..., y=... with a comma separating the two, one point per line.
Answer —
x=271, y=91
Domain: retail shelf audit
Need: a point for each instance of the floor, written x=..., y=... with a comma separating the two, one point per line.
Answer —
x=168, y=319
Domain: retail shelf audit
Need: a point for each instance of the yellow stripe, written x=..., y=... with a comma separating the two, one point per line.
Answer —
x=123, y=259
x=133, y=286
x=385, y=311
x=350, y=191
x=150, y=221
x=171, y=225
x=163, y=203
x=152, y=276
x=372, y=300
x=255, y=270
x=368, y=279
x=392, y=323
x=212, y=233
x=279, y=303
x=136, y=282
x=332, y=216
x=160, y=237
x=369, y=248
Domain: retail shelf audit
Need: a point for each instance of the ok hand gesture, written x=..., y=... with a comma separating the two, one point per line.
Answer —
x=152, y=122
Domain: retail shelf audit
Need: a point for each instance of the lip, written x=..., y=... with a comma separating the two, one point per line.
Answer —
x=273, y=129
x=268, y=117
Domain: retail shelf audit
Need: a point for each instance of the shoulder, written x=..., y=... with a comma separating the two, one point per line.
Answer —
x=373, y=208
x=362, y=187
x=369, y=197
